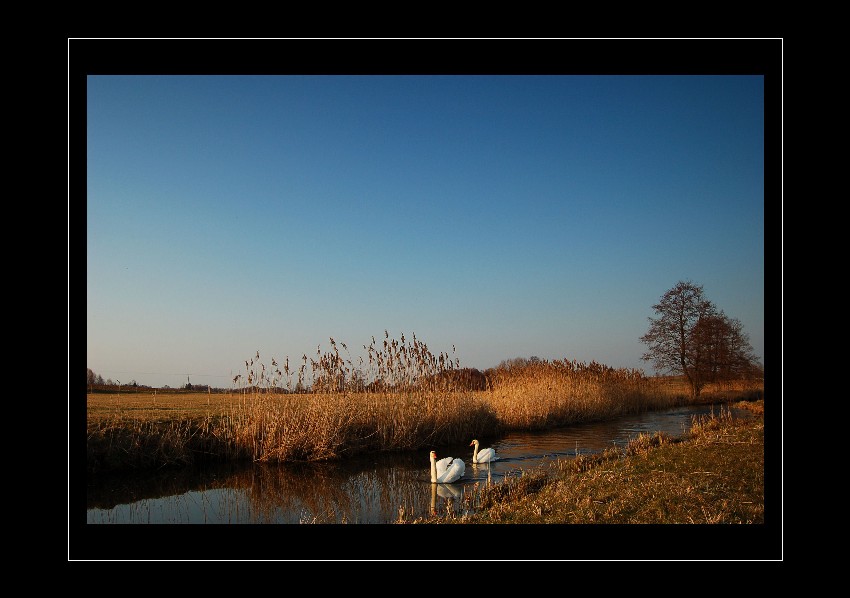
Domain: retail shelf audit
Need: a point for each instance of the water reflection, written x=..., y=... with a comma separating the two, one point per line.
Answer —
x=380, y=488
x=452, y=495
x=482, y=471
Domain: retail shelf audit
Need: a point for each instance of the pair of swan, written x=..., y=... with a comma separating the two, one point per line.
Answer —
x=450, y=469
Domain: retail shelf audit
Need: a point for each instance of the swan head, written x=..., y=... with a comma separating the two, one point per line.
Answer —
x=474, y=442
x=433, y=455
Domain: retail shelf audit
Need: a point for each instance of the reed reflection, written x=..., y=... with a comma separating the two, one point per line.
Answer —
x=478, y=470
x=275, y=493
x=452, y=496
x=373, y=488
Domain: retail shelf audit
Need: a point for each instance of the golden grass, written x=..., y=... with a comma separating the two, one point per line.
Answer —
x=546, y=394
x=712, y=475
x=403, y=398
x=129, y=433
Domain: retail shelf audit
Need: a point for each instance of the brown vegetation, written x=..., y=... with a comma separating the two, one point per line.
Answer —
x=401, y=397
x=714, y=474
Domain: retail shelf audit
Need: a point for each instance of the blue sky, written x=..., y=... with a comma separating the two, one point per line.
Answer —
x=508, y=216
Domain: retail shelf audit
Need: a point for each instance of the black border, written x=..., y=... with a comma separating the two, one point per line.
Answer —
x=686, y=543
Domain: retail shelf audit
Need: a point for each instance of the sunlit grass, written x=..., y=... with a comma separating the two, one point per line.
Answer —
x=399, y=396
x=713, y=475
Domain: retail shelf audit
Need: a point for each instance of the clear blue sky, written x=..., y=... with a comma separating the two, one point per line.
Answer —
x=508, y=216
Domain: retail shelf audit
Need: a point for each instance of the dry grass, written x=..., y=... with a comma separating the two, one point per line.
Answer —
x=400, y=397
x=546, y=394
x=128, y=433
x=713, y=475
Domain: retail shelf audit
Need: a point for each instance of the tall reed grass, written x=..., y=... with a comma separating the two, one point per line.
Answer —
x=544, y=394
x=398, y=396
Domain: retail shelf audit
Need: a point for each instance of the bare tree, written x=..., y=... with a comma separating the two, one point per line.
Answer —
x=690, y=336
x=724, y=349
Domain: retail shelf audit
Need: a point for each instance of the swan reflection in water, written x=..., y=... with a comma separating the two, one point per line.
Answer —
x=371, y=488
x=452, y=493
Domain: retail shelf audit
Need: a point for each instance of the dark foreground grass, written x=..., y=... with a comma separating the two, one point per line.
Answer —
x=714, y=475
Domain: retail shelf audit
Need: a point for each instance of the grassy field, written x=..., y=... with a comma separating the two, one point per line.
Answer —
x=134, y=430
x=713, y=475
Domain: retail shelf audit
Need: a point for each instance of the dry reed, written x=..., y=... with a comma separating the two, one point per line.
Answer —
x=399, y=396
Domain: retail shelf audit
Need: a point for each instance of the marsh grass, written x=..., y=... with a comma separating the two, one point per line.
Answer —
x=399, y=396
x=545, y=394
x=277, y=428
x=714, y=474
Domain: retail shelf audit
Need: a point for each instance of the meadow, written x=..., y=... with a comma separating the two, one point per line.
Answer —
x=401, y=397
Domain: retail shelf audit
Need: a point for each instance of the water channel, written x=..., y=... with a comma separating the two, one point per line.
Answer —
x=377, y=488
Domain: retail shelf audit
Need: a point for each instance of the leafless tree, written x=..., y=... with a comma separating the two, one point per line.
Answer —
x=690, y=336
x=724, y=349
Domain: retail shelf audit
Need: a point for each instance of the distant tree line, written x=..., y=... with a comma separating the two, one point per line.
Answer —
x=689, y=336
x=463, y=378
x=96, y=380
x=96, y=383
x=92, y=379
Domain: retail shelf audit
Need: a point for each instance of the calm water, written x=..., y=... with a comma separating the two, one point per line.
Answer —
x=367, y=489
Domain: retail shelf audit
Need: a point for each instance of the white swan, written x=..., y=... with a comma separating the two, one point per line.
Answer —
x=446, y=470
x=484, y=455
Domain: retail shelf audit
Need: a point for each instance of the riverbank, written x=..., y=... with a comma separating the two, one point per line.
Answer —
x=713, y=475
x=137, y=431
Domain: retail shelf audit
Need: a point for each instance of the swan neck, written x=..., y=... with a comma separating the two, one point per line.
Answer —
x=433, y=472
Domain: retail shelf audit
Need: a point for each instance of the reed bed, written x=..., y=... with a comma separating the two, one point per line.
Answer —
x=279, y=428
x=545, y=394
x=398, y=396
